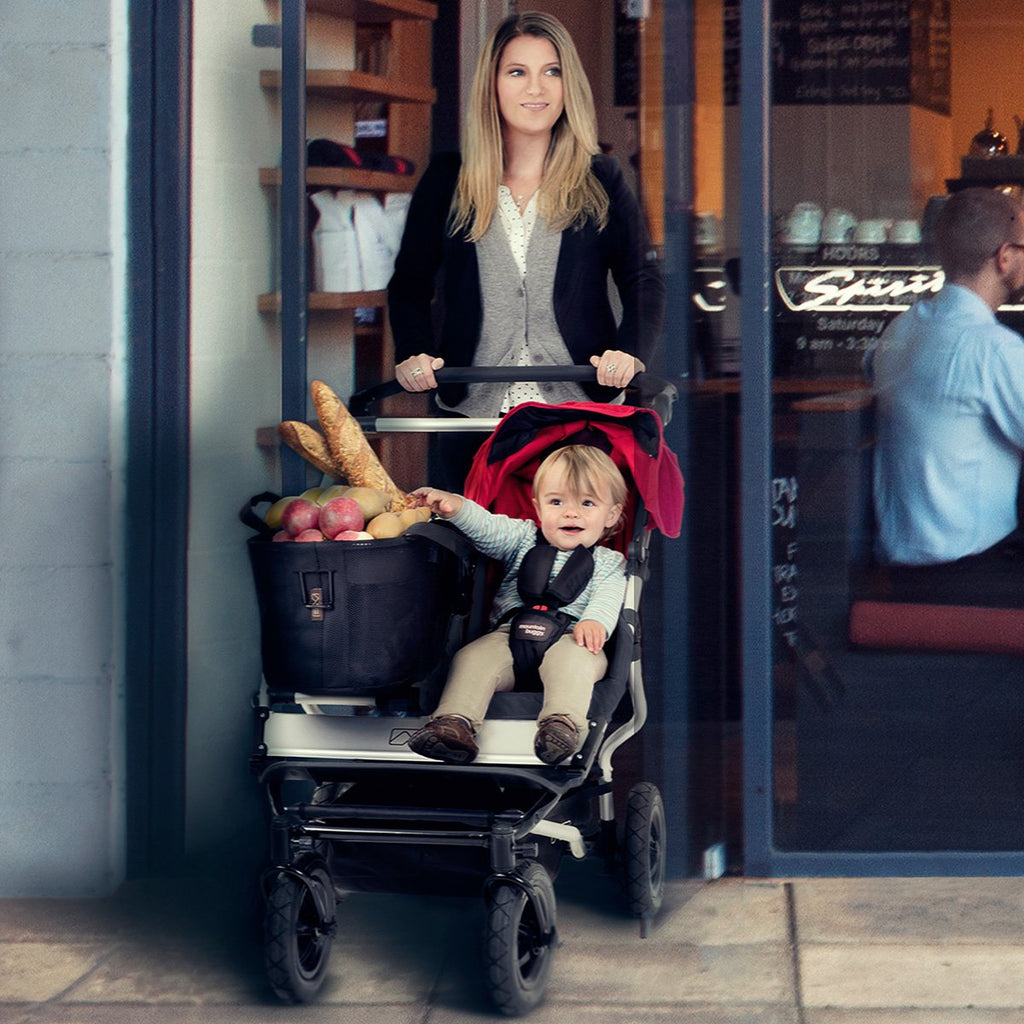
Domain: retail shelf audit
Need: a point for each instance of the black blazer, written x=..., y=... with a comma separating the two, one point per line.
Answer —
x=433, y=266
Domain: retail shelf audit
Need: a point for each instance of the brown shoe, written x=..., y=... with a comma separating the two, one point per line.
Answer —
x=448, y=738
x=556, y=739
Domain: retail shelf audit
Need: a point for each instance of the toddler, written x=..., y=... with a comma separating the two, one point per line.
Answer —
x=579, y=495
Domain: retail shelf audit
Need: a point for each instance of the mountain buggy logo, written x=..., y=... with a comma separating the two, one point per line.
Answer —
x=399, y=737
x=532, y=630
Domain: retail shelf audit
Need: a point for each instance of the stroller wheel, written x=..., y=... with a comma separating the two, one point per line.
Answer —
x=298, y=934
x=519, y=939
x=645, y=850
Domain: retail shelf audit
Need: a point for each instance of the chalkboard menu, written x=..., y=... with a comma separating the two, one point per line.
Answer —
x=831, y=52
x=930, y=58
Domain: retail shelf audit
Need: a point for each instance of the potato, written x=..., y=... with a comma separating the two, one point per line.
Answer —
x=387, y=524
x=414, y=515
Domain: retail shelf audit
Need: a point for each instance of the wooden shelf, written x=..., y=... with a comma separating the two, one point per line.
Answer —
x=355, y=86
x=346, y=177
x=375, y=10
x=408, y=95
x=271, y=302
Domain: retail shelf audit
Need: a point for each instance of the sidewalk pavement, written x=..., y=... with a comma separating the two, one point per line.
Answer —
x=742, y=951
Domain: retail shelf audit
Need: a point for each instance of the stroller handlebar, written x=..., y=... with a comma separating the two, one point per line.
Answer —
x=656, y=392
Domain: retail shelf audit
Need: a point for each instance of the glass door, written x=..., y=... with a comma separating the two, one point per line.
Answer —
x=880, y=736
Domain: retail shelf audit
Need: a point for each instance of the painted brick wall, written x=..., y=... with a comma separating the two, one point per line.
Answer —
x=61, y=338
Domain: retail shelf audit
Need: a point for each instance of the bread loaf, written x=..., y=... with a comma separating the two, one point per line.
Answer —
x=349, y=450
x=310, y=444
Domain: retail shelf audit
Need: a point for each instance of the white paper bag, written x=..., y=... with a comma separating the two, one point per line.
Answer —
x=335, y=249
x=396, y=206
x=376, y=251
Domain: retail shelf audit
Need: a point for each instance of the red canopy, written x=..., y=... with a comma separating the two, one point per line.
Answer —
x=501, y=477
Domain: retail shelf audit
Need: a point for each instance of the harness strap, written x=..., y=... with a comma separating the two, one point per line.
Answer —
x=538, y=623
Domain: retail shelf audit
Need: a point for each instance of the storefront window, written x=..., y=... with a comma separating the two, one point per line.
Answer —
x=903, y=738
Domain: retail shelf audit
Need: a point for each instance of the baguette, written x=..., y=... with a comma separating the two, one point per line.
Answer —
x=310, y=444
x=349, y=449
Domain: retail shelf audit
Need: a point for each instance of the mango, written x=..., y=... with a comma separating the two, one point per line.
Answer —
x=334, y=491
x=273, y=514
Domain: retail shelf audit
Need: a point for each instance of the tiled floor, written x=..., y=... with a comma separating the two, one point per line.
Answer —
x=743, y=951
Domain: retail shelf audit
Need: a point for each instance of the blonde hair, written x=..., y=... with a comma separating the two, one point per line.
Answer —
x=569, y=193
x=588, y=470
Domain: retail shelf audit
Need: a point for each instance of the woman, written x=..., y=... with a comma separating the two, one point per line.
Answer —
x=523, y=228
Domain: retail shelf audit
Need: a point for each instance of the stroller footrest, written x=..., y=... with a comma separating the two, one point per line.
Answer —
x=333, y=813
x=419, y=837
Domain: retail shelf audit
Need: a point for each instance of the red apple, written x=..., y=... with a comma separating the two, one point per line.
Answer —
x=299, y=515
x=354, y=535
x=339, y=515
x=308, y=536
x=282, y=535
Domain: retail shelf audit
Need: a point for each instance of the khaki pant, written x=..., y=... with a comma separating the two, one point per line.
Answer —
x=484, y=667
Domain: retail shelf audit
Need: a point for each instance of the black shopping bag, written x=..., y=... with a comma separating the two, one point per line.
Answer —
x=357, y=617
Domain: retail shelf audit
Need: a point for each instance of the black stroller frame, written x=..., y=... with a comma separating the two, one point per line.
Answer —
x=351, y=807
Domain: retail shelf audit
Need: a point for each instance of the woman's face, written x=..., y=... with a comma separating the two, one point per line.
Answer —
x=529, y=86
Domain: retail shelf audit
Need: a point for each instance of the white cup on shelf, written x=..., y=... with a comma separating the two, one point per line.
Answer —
x=905, y=232
x=871, y=232
x=803, y=225
x=838, y=226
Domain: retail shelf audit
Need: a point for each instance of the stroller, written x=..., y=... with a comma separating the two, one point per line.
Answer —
x=353, y=808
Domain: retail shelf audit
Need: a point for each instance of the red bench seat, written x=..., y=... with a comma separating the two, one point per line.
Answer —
x=936, y=627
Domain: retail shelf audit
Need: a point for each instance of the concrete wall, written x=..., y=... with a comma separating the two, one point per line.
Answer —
x=62, y=264
x=62, y=252
x=235, y=384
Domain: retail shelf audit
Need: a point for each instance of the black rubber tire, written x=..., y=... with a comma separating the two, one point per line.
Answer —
x=297, y=941
x=519, y=939
x=645, y=850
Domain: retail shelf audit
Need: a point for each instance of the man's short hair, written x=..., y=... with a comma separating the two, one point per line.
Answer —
x=972, y=225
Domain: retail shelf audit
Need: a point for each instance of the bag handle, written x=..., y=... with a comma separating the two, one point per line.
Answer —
x=445, y=536
x=248, y=516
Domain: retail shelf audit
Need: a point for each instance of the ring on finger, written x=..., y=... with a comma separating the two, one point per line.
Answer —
x=415, y=372
x=612, y=367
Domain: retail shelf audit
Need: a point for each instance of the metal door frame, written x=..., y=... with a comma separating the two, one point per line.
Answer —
x=157, y=471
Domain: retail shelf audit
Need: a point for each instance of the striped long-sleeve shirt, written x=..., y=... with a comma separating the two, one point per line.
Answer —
x=508, y=540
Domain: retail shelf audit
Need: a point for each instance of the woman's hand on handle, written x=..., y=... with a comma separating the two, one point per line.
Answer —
x=615, y=369
x=417, y=372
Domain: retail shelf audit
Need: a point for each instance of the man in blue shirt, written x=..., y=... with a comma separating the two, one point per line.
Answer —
x=949, y=382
